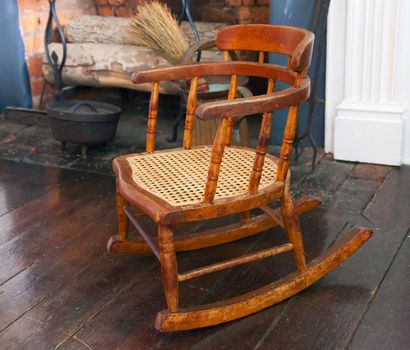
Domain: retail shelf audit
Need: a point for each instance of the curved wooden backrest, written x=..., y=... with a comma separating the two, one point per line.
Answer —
x=291, y=41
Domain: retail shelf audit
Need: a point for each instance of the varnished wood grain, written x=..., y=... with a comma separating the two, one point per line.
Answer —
x=190, y=113
x=169, y=266
x=231, y=96
x=122, y=219
x=211, y=69
x=288, y=139
x=298, y=45
x=161, y=211
x=294, y=42
x=219, y=235
x=256, y=104
x=235, y=262
x=292, y=227
x=152, y=118
x=216, y=160
x=263, y=141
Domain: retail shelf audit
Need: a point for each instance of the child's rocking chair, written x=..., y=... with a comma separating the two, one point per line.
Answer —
x=189, y=184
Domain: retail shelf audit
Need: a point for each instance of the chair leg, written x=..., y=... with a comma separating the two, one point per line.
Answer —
x=245, y=216
x=169, y=267
x=122, y=218
x=292, y=227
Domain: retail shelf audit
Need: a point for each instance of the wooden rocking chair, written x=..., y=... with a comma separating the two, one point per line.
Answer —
x=198, y=183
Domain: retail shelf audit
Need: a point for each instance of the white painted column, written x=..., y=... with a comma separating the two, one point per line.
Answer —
x=366, y=65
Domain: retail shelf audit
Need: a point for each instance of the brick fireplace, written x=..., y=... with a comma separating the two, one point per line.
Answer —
x=228, y=11
x=34, y=13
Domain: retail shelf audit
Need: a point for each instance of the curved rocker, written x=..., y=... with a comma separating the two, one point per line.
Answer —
x=246, y=304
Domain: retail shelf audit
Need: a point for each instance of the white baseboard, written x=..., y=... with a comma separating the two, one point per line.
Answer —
x=369, y=136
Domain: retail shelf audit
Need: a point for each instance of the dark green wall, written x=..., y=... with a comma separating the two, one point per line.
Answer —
x=14, y=82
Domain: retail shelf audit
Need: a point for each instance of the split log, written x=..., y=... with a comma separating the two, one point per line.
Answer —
x=106, y=65
x=98, y=29
x=100, y=53
x=114, y=30
x=110, y=65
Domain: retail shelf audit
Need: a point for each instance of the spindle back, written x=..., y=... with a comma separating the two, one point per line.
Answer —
x=294, y=42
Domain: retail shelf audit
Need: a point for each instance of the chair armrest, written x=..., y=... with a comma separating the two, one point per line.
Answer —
x=255, y=104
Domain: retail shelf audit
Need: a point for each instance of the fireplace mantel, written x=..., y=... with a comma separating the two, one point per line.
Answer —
x=367, y=68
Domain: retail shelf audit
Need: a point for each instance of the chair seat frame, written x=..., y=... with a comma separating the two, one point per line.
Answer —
x=297, y=44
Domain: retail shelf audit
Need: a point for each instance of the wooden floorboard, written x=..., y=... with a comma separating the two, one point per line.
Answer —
x=42, y=237
x=387, y=322
x=50, y=274
x=61, y=289
x=327, y=314
x=21, y=183
x=53, y=202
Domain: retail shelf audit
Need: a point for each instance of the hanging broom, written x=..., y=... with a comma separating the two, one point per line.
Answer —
x=155, y=27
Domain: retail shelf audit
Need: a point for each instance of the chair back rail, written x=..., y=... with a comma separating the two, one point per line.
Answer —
x=253, y=69
x=294, y=42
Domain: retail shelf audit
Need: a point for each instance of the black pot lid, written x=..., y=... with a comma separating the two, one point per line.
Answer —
x=83, y=111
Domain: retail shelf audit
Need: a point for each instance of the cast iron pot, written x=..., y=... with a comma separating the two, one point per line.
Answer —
x=85, y=123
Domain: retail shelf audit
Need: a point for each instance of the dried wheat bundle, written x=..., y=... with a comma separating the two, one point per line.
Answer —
x=154, y=26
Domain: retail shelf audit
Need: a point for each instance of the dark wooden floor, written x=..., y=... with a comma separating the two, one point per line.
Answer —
x=59, y=288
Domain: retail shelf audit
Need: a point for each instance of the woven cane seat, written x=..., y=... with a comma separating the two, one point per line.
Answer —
x=179, y=176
